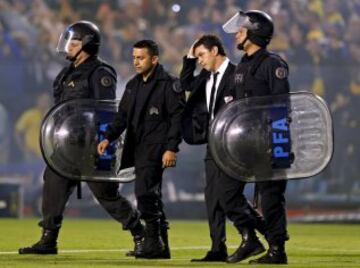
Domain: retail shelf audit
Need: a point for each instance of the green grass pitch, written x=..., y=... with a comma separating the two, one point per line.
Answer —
x=102, y=243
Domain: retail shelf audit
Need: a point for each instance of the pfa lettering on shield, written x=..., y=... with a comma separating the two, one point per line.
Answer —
x=280, y=138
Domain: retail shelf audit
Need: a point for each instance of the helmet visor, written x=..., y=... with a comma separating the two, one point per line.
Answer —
x=68, y=40
x=240, y=19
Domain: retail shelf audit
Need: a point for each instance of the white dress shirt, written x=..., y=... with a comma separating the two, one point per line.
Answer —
x=209, y=84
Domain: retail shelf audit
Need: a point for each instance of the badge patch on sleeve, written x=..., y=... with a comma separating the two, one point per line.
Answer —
x=281, y=72
x=106, y=81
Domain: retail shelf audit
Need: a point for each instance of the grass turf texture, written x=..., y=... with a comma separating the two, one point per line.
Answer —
x=102, y=243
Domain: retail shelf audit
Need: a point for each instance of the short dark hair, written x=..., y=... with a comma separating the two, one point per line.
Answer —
x=150, y=45
x=209, y=41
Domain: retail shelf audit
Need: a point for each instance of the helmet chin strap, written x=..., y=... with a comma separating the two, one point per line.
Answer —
x=242, y=44
x=73, y=59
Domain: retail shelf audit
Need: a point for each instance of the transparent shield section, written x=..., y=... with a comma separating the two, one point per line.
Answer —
x=64, y=42
x=273, y=138
x=237, y=21
x=69, y=137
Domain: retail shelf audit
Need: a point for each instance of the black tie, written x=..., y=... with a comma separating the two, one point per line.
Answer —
x=212, y=94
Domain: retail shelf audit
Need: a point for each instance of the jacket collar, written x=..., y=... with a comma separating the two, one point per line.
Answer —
x=158, y=74
x=257, y=54
x=88, y=63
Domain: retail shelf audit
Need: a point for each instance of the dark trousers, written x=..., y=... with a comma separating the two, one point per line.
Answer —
x=224, y=198
x=57, y=190
x=148, y=193
x=272, y=200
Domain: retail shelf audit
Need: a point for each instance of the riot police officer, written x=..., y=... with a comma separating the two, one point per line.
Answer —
x=262, y=73
x=86, y=77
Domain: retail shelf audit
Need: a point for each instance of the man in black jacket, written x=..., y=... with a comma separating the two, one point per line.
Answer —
x=210, y=91
x=86, y=77
x=261, y=73
x=150, y=110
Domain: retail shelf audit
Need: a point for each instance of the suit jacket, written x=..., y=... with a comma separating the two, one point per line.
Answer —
x=158, y=126
x=196, y=117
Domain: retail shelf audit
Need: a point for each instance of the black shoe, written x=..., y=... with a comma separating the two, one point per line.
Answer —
x=138, y=246
x=250, y=246
x=212, y=256
x=273, y=256
x=46, y=245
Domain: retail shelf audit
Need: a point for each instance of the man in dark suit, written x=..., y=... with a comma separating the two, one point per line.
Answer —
x=150, y=110
x=210, y=91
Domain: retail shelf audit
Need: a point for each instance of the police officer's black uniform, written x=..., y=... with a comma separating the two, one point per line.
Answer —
x=269, y=78
x=92, y=79
x=150, y=112
x=262, y=74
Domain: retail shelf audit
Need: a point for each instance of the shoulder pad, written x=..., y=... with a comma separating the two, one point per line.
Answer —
x=278, y=66
x=105, y=75
x=277, y=58
x=108, y=69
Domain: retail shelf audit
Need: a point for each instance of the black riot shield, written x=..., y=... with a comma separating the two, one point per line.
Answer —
x=273, y=137
x=70, y=133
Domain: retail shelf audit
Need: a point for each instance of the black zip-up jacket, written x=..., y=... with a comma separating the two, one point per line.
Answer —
x=157, y=128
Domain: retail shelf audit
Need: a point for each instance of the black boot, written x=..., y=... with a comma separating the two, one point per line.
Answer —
x=165, y=238
x=138, y=246
x=275, y=255
x=250, y=246
x=46, y=245
x=154, y=247
x=138, y=233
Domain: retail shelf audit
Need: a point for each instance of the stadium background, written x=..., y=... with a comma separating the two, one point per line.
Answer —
x=318, y=38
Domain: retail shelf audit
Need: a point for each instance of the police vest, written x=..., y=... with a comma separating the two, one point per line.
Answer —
x=74, y=83
x=245, y=78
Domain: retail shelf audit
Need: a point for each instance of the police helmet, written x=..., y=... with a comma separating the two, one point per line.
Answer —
x=84, y=31
x=259, y=24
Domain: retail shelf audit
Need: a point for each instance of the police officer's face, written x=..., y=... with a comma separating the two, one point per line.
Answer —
x=241, y=36
x=206, y=57
x=143, y=61
x=74, y=47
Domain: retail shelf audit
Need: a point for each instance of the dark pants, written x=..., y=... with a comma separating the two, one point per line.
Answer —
x=148, y=193
x=272, y=199
x=224, y=198
x=57, y=190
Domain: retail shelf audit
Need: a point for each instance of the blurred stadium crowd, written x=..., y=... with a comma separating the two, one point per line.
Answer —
x=319, y=39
